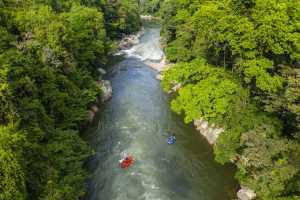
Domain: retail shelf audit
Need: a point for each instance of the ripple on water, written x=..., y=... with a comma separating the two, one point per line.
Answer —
x=136, y=121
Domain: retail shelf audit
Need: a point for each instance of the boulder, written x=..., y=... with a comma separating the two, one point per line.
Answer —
x=210, y=132
x=158, y=66
x=159, y=77
x=94, y=108
x=91, y=116
x=106, y=88
x=176, y=87
x=246, y=194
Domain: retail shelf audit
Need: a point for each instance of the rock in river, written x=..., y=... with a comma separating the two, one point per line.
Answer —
x=106, y=88
x=246, y=194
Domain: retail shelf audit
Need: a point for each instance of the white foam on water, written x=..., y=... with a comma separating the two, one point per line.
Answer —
x=148, y=50
x=151, y=196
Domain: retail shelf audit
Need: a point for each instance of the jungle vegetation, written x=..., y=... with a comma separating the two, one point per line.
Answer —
x=150, y=7
x=238, y=63
x=49, y=54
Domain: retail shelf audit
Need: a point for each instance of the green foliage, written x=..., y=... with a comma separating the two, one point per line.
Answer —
x=234, y=38
x=251, y=138
x=49, y=53
x=276, y=27
x=227, y=146
x=66, y=177
x=150, y=6
x=209, y=97
x=256, y=70
x=121, y=17
x=268, y=165
x=85, y=35
x=255, y=97
x=12, y=177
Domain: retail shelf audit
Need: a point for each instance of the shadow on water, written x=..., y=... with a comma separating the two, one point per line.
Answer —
x=136, y=121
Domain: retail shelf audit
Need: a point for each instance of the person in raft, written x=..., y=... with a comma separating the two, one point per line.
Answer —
x=126, y=162
x=171, y=139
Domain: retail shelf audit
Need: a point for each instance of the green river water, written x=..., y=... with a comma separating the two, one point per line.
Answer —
x=136, y=121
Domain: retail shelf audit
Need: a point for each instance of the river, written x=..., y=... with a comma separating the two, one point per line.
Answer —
x=136, y=121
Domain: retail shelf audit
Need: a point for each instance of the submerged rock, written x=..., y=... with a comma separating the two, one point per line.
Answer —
x=246, y=194
x=102, y=71
x=210, y=132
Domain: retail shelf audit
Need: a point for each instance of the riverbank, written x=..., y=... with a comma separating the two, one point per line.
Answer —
x=209, y=131
x=106, y=95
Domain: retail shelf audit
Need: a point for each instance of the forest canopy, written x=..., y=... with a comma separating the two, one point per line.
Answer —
x=237, y=63
x=49, y=55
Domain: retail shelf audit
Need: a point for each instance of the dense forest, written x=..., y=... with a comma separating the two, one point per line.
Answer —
x=237, y=62
x=49, y=54
x=238, y=65
x=150, y=6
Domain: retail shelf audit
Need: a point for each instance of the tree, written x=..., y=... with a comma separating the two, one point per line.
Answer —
x=12, y=176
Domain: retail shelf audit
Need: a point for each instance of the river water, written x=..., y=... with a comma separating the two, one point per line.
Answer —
x=136, y=121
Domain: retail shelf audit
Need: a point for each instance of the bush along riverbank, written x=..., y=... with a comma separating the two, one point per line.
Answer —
x=50, y=55
x=235, y=77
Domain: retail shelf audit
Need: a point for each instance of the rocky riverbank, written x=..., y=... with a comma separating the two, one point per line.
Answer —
x=210, y=131
x=105, y=86
x=158, y=66
x=105, y=96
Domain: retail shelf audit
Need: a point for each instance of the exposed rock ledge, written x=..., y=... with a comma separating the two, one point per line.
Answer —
x=210, y=132
x=106, y=95
x=246, y=194
x=149, y=17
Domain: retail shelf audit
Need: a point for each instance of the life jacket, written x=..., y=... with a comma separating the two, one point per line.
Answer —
x=126, y=162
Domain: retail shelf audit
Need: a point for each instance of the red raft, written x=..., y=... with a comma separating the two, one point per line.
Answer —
x=126, y=162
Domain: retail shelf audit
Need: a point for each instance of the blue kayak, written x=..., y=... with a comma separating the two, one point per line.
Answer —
x=171, y=139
